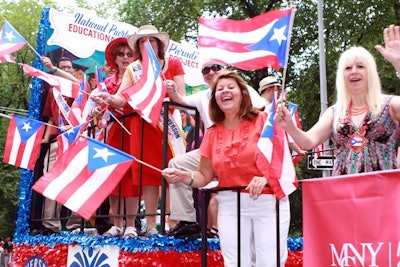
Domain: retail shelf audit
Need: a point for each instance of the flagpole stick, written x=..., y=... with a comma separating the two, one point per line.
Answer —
x=45, y=123
x=33, y=49
x=119, y=122
x=148, y=165
x=123, y=127
x=5, y=116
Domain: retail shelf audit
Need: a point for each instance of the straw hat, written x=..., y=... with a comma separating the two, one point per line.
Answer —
x=149, y=31
x=109, y=53
x=267, y=82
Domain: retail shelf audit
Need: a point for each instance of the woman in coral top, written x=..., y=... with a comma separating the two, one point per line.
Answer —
x=228, y=151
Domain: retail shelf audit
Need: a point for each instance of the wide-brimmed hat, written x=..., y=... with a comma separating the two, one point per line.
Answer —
x=267, y=82
x=109, y=53
x=149, y=31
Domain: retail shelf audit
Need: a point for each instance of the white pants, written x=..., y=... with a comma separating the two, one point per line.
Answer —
x=257, y=224
x=181, y=195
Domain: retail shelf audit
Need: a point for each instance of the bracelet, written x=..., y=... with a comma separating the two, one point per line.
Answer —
x=54, y=70
x=191, y=178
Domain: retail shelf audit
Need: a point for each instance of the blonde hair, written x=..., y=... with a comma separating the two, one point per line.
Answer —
x=357, y=54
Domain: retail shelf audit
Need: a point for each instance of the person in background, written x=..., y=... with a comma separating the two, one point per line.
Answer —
x=173, y=74
x=237, y=127
x=92, y=82
x=187, y=123
x=270, y=88
x=51, y=110
x=364, y=122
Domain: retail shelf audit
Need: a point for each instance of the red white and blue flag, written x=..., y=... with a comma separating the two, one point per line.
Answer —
x=294, y=112
x=84, y=176
x=6, y=57
x=10, y=41
x=67, y=138
x=273, y=158
x=146, y=96
x=64, y=86
x=23, y=142
x=77, y=113
x=250, y=44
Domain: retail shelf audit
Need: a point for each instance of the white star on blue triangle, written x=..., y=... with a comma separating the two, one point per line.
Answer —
x=72, y=133
x=275, y=40
x=102, y=155
x=27, y=127
x=9, y=35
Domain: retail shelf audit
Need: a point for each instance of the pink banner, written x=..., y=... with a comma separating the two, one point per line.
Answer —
x=352, y=220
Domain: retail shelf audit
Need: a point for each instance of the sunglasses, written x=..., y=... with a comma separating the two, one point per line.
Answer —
x=122, y=54
x=215, y=67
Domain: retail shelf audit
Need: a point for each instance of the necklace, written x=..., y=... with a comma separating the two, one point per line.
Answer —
x=358, y=111
x=357, y=140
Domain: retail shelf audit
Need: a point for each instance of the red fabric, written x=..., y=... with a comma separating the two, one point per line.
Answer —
x=174, y=68
x=352, y=220
x=51, y=109
x=233, y=149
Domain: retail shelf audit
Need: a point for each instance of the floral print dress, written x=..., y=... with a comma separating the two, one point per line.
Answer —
x=379, y=153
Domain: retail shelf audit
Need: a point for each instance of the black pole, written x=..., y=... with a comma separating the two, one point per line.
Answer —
x=278, y=238
x=164, y=165
x=238, y=225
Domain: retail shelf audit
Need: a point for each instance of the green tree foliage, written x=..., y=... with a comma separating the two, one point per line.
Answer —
x=24, y=16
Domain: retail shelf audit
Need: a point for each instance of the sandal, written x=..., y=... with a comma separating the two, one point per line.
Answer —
x=151, y=231
x=212, y=233
x=130, y=232
x=113, y=231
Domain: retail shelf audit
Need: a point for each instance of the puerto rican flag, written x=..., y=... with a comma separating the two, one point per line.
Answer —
x=64, y=86
x=7, y=58
x=84, y=176
x=357, y=142
x=273, y=158
x=250, y=44
x=146, y=96
x=77, y=114
x=10, y=41
x=67, y=138
x=4, y=57
x=294, y=111
x=23, y=142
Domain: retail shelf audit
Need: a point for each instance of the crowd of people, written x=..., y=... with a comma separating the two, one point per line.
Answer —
x=363, y=124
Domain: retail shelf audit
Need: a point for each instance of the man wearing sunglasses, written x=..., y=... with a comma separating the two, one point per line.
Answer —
x=181, y=195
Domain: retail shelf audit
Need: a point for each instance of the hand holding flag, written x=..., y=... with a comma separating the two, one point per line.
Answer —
x=273, y=158
x=64, y=86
